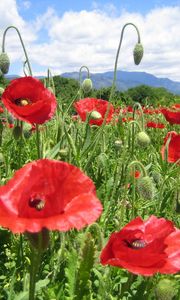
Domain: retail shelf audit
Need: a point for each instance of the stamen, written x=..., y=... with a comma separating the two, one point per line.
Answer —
x=138, y=244
x=37, y=203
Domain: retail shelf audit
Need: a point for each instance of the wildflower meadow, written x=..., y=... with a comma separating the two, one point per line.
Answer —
x=89, y=190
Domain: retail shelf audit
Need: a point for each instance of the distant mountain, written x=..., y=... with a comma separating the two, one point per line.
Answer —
x=126, y=80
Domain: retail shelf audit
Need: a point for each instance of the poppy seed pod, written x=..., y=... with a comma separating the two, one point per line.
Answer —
x=143, y=140
x=95, y=115
x=165, y=289
x=4, y=63
x=145, y=187
x=138, y=53
x=87, y=85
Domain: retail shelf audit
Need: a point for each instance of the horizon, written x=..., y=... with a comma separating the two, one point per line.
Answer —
x=65, y=36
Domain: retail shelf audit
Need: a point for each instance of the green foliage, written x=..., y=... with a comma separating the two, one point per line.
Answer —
x=147, y=95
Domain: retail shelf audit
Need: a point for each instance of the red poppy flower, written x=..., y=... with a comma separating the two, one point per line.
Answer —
x=87, y=105
x=172, y=115
x=125, y=120
x=173, y=148
x=28, y=100
x=1, y=110
x=48, y=194
x=155, y=125
x=136, y=174
x=145, y=247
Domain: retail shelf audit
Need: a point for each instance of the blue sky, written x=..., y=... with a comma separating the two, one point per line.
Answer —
x=39, y=6
x=64, y=35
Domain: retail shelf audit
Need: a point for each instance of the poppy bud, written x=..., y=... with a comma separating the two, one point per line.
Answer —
x=143, y=140
x=4, y=63
x=118, y=144
x=87, y=85
x=145, y=187
x=1, y=91
x=39, y=242
x=17, y=132
x=165, y=289
x=63, y=152
x=138, y=53
x=95, y=115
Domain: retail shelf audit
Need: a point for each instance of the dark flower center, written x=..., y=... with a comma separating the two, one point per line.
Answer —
x=37, y=203
x=138, y=244
x=22, y=102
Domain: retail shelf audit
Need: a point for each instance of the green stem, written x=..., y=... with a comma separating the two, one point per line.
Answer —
x=22, y=43
x=38, y=142
x=131, y=137
x=35, y=262
x=135, y=106
x=117, y=56
x=80, y=73
x=50, y=81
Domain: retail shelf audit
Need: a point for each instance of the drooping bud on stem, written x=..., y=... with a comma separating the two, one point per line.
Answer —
x=117, y=56
x=87, y=85
x=143, y=140
x=138, y=53
x=4, y=63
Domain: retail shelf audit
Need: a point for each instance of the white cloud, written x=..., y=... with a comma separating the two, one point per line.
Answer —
x=26, y=4
x=91, y=38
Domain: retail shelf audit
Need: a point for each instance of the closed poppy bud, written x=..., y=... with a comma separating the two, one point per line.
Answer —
x=95, y=115
x=143, y=140
x=1, y=91
x=17, y=132
x=146, y=187
x=138, y=53
x=87, y=85
x=165, y=289
x=63, y=152
x=4, y=63
x=118, y=144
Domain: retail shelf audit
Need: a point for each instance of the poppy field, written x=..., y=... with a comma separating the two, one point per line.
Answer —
x=89, y=192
